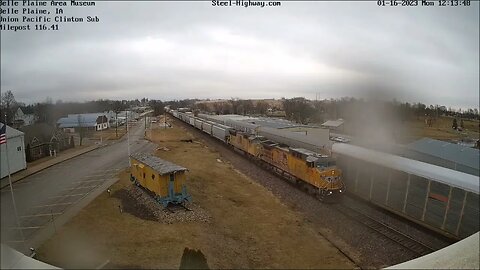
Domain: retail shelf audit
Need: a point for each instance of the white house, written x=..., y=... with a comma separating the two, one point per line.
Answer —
x=15, y=150
x=22, y=119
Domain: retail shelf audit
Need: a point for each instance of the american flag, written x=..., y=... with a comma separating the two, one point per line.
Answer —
x=3, y=134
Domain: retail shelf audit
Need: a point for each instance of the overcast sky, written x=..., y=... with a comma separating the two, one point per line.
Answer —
x=176, y=50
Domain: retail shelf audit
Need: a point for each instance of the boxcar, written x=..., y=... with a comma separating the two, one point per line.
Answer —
x=163, y=179
x=221, y=132
x=198, y=124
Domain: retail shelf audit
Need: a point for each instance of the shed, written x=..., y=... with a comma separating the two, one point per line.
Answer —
x=334, y=124
x=164, y=179
x=14, y=148
x=449, y=155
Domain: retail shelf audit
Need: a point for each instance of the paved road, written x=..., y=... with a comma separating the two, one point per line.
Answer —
x=48, y=195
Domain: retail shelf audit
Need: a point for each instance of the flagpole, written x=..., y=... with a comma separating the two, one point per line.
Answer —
x=11, y=187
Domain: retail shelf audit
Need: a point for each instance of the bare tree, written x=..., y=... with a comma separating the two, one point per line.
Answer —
x=261, y=107
x=247, y=106
x=236, y=103
x=9, y=107
x=81, y=131
x=117, y=108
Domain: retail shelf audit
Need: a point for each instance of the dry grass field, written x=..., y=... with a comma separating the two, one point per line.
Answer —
x=441, y=129
x=248, y=226
x=109, y=134
x=414, y=129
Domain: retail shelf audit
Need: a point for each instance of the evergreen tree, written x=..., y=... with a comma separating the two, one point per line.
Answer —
x=454, y=124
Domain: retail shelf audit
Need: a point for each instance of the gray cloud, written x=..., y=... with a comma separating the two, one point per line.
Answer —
x=169, y=50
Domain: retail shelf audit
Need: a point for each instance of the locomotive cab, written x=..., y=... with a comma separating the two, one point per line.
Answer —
x=331, y=182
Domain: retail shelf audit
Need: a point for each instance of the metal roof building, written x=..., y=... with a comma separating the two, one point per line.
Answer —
x=98, y=121
x=279, y=130
x=313, y=139
x=444, y=154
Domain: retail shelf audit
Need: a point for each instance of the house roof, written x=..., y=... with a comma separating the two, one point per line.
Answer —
x=11, y=132
x=74, y=120
x=333, y=123
x=449, y=151
x=158, y=164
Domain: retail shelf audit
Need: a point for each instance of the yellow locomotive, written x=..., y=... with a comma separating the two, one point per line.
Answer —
x=163, y=179
x=316, y=173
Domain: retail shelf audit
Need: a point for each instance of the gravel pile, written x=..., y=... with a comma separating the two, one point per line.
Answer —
x=365, y=247
x=174, y=213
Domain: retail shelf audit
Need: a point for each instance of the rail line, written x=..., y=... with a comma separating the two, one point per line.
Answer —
x=382, y=228
x=386, y=230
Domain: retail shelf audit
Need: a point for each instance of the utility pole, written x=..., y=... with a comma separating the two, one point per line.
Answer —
x=128, y=138
x=101, y=132
x=116, y=124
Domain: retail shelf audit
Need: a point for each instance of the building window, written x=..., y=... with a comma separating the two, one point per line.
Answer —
x=143, y=175
x=153, y=176
x=19, y=148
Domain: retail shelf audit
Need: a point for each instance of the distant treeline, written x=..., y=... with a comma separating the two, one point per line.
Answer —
x=303, y=110
x=49, y=111
x=297, y=109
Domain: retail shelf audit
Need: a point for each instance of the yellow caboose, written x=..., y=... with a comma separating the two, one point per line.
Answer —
x=165, y=180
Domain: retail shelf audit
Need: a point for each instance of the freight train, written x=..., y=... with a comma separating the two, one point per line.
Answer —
x=438, y=198
x=314, y=172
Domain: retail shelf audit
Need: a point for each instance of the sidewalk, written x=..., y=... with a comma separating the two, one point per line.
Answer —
x=34, y=168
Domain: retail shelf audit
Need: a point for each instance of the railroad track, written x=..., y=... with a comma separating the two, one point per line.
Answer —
x=386, y=230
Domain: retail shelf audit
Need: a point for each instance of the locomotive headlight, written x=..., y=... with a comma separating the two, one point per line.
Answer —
x=340, y=191
x=329, y=192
